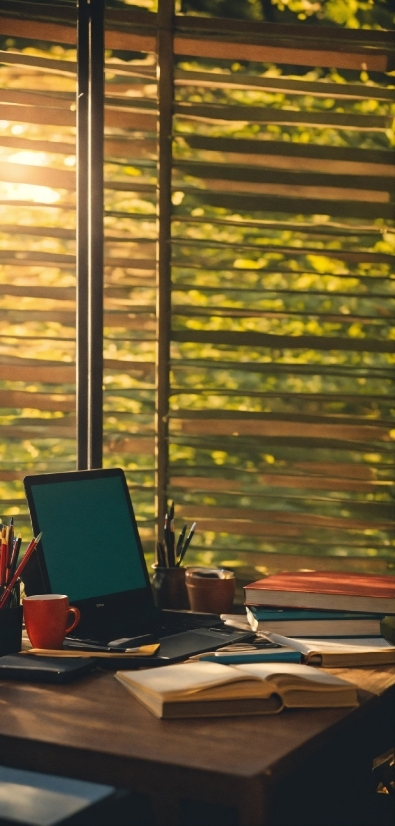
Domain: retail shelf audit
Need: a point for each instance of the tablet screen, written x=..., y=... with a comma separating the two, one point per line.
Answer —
x=90, y=541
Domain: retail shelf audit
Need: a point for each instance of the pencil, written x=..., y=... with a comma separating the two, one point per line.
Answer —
x=29, y=550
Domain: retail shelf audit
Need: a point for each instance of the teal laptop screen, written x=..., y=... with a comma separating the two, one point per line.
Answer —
x=89, y=540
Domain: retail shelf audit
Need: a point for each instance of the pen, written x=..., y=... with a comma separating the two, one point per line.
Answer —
x=187, y=542
x=29, y=550
x=160, y=555
x=179, y=543
x=170, y=550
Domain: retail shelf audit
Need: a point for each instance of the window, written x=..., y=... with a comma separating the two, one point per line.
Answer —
x=273, y=364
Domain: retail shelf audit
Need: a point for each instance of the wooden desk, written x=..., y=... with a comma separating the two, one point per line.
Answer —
x=298, y=767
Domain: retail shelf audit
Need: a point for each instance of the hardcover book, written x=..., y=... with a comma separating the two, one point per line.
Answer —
x=206, y=689
x=324, y=590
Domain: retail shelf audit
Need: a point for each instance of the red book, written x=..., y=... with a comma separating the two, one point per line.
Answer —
x=325, y=590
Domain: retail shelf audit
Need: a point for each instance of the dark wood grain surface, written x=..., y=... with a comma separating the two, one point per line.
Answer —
x=98, y=713
x=95, y=729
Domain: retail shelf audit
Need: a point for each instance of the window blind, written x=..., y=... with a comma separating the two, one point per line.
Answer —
x=38, y=233
x=281, y=405
x=274, y=406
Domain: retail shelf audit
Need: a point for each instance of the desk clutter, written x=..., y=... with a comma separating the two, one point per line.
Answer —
x=10, y=573
x=169, y=553
x=332, y=619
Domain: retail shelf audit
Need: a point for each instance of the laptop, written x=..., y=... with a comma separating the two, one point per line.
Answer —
x=91, y=551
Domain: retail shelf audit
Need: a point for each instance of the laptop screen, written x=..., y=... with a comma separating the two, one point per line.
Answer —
x=90, y=542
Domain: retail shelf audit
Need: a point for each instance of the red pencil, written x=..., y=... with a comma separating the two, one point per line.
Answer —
x=29, y=551
x=4, y=556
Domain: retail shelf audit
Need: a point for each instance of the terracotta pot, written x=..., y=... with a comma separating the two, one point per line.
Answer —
x=210, y=590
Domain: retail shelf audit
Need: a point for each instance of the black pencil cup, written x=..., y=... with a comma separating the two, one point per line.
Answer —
x=10, y=630
x=170, y=590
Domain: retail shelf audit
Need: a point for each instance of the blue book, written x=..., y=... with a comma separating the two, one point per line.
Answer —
x=306, y=614
x=300, y=623
x=265, y=655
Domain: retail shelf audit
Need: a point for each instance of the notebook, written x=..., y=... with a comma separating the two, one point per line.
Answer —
x=206, y=689
x=44, y=669
x=91, y=551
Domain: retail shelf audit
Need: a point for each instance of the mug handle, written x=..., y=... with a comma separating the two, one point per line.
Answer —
x=76, y=620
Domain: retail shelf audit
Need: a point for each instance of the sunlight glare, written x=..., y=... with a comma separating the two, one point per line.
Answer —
x=28, y=192
x=31, y=158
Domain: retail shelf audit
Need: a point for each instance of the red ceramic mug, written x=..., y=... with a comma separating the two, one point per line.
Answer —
x=47, y=619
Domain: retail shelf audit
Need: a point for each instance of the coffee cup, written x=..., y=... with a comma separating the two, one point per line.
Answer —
x=210, y=590
x=47, y=619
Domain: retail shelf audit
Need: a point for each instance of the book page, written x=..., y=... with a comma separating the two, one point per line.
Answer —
x=174, y=680
x=336, y=646
x=292, y=670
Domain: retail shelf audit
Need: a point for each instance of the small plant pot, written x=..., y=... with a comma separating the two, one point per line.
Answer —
x=211, y=590
x=168, y=585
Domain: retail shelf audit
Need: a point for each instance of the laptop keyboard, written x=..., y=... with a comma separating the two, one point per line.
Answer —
x=169, y=624
x=165, y=624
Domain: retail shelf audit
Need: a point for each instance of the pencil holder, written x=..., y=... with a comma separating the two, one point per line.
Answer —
x=10, y=630
x=170, y=591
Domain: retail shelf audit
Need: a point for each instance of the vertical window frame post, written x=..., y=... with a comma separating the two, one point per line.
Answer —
x=90, y=261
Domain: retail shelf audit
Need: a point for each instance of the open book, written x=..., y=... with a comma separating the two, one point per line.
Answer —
x=206, y=689
x=340, y=652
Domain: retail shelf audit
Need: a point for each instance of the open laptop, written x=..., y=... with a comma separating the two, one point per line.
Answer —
x=91, y=551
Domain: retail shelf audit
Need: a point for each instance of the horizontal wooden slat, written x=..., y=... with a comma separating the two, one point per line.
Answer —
x=142, y=444
x=293, y=189
x=218, y=27
x=245, y=146
x=55, y=33
x=132, y=321
x=300, y=163
x=245, y=173
x=56, y=374
x=225, y=80
x=48, y=430
x=287, y=117
x=56, y=116
x=50, y=115
x=221, y=486
x=246, y=202
x=382, y=319
x=266, y=530
x=275, y=562
x=61, y=373
x=242, y=427
x=296, y=55
x=283, y=517
x=256, y=416
x=321, y=368
x=38, y=30
x=40, y=176
x=32, y=259
x=351, y=256
x=129, y=148
x=290, y=342
x=39, y=401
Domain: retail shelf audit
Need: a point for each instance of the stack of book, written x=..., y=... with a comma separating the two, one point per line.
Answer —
x=344, y=611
